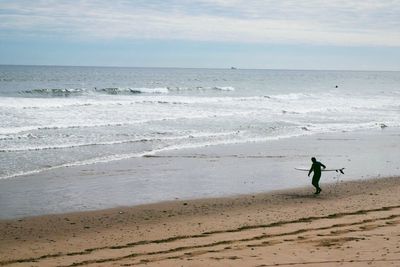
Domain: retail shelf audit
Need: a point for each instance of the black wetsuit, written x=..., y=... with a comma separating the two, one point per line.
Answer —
x=316, y=168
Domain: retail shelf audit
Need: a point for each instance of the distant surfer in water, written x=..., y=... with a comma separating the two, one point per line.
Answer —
x=316, y=168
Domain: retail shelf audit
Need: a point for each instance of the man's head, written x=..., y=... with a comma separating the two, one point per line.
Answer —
x=313, y=159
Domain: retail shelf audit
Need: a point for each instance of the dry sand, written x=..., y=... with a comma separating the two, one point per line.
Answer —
x=349, y=224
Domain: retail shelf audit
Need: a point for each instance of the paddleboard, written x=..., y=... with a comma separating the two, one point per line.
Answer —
x=324, y=170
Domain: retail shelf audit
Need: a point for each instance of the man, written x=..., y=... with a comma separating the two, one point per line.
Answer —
x=316, y=168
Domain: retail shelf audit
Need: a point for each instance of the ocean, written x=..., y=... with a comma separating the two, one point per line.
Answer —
x=53, y=117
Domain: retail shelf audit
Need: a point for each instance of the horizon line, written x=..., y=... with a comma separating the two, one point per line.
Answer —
x=233, y=68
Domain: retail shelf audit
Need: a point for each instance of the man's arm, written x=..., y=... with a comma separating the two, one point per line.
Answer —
x=323, y=166
x=311, y=169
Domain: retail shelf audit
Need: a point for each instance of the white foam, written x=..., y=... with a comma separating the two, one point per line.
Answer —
x=143, y=109
x=160, y=90
x=143, y=139
x=317, y=112
x=201, y=88
x=6, y=131
x=34, y=103
x=224, y=88
x=125, y=156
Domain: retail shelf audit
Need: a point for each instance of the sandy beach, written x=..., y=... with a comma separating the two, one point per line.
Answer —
x=353, y=223
x=199, y=133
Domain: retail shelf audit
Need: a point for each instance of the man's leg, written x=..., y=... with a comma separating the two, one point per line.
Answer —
x=315, y=183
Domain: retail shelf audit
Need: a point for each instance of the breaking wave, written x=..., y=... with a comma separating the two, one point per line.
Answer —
x=66, y=92
x=116, y=91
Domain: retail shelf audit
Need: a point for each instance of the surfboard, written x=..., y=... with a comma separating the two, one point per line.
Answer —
x=323, y=170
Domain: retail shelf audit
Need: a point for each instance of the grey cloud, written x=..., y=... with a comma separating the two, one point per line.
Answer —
x=368, y=22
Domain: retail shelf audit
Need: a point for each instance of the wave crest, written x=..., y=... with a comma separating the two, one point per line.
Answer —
x=54, y=91
x=57, y=92
x=141, y=90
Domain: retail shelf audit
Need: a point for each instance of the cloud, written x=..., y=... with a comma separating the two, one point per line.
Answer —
x=335, y=22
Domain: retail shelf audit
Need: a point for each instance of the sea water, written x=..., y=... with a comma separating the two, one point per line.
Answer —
x=52, y=117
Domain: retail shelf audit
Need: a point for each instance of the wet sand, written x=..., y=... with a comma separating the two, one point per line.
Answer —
x=354, y=223
x=212, y=171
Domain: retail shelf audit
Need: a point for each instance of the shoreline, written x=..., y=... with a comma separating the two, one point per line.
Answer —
x=304, y=189
x=212, y=171
x=307, y=189
x=216, y=231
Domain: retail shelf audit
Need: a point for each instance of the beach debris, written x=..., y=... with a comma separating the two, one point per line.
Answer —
x=121, y=212
x=383, y=126
x=340, y=170
x=304, y=128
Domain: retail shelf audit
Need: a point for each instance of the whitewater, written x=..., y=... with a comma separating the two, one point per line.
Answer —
x=54, y=117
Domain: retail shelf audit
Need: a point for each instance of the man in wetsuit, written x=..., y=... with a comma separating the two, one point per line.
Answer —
x=316, y=168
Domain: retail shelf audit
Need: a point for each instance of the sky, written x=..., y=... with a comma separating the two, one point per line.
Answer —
x=267, y=34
